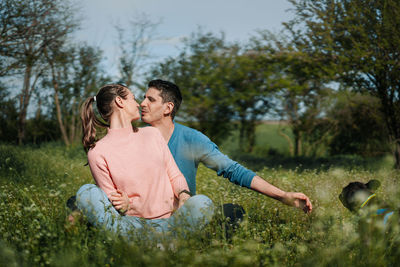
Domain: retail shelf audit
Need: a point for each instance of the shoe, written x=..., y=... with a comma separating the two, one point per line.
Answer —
x=233, y=214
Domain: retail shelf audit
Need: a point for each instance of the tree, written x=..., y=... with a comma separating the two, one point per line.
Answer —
x=300, y=89
x=251, y=82
x=134, y=45
x=360, y=40
x=28, y=29
x=359, y=126
x=201, y=72
x=304, y=97
x=74, y=75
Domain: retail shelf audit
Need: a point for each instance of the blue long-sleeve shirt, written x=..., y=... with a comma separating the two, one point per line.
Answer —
x=189, y=147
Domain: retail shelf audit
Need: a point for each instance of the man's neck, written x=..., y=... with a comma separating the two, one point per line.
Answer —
x=166, y=127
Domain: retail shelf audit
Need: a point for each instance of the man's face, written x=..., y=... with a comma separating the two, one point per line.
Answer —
x=153, y=108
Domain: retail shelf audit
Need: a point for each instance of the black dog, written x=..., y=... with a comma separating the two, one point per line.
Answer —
x=357, y=196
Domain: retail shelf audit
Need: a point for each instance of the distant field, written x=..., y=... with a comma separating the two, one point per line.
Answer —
x=267, y=138
x=36, y=182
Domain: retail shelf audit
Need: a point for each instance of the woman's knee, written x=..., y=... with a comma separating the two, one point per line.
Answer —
x=89, y=194
x=86, y=188
x=201, y=201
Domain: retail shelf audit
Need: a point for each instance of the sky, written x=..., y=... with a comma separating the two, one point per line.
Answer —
x=239, y=19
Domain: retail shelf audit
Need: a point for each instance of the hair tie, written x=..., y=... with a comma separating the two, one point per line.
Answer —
x=94, y=98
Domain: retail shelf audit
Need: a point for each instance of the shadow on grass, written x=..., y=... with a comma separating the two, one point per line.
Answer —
x=301, y=163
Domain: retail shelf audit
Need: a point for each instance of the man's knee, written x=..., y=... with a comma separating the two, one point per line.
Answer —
x=201, y=201
x=201, y=206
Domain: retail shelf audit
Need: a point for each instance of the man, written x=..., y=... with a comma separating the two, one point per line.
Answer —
x=190, y=147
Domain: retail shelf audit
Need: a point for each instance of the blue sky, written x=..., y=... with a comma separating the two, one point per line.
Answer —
x=239, y=19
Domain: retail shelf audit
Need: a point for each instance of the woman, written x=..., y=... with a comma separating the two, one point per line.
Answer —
x=135, y=173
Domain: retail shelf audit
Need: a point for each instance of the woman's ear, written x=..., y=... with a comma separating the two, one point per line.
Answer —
x=119, y=102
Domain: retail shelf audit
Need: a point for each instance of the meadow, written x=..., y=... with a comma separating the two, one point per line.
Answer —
x=36, y=182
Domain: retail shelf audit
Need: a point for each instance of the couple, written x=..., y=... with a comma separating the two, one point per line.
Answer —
x=135, y=169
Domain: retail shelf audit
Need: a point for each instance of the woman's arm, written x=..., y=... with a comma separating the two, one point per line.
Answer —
x=102, y=177
x=120, y=201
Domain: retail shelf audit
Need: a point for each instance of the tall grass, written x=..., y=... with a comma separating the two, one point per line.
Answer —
x=36, y=182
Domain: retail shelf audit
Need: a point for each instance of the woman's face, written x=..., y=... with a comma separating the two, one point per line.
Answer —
x=132, y=107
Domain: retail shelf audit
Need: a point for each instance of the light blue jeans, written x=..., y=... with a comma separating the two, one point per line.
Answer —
x=95, y=205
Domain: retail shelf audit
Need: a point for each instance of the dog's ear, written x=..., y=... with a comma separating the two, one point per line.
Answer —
x=373, y=185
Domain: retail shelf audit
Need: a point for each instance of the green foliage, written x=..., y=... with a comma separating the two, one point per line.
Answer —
x=359, y=126
x=25, y=41
x=221, y=83
x=360, y=41
x=8, y=117
x=75, y=74
x=251, y=81
x=201, y=71
x=36, y=182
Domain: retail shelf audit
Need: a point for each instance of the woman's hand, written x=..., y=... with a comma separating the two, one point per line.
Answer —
x=120, y=201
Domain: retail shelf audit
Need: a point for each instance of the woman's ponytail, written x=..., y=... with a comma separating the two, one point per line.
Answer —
x=104, y=102
x=89, y=123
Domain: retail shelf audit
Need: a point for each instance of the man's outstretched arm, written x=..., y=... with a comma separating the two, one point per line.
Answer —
x=295, y=199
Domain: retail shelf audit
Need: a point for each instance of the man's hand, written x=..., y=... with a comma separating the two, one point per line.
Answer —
x=298, y=200
x=120, y=201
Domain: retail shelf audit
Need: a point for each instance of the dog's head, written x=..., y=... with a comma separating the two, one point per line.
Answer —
x=356, y=194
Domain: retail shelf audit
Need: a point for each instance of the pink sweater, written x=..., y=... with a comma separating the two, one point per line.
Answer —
x=141, y=165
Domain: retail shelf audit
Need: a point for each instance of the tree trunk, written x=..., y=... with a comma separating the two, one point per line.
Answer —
x=23, y=104
x=288, y=139
x=391, y=118
x=397, y=154
x=38, y=110
x=57, y=103
x=250, y=136
x=59, y=116
x=297, y=142
x=72, y=123
x=242, y=132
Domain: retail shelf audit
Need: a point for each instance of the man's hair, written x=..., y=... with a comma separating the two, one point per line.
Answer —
x=169, y=92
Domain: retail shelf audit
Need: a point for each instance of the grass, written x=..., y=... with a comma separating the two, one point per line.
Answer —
x=36, y=182
x=268, y=141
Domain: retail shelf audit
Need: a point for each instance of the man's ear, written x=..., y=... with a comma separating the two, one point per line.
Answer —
x=118, y=101
x=169, y=109
x=373, y=185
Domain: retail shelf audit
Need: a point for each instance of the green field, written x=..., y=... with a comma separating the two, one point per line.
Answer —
x=267, y=139
x=272, y=151
x=36, y=182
